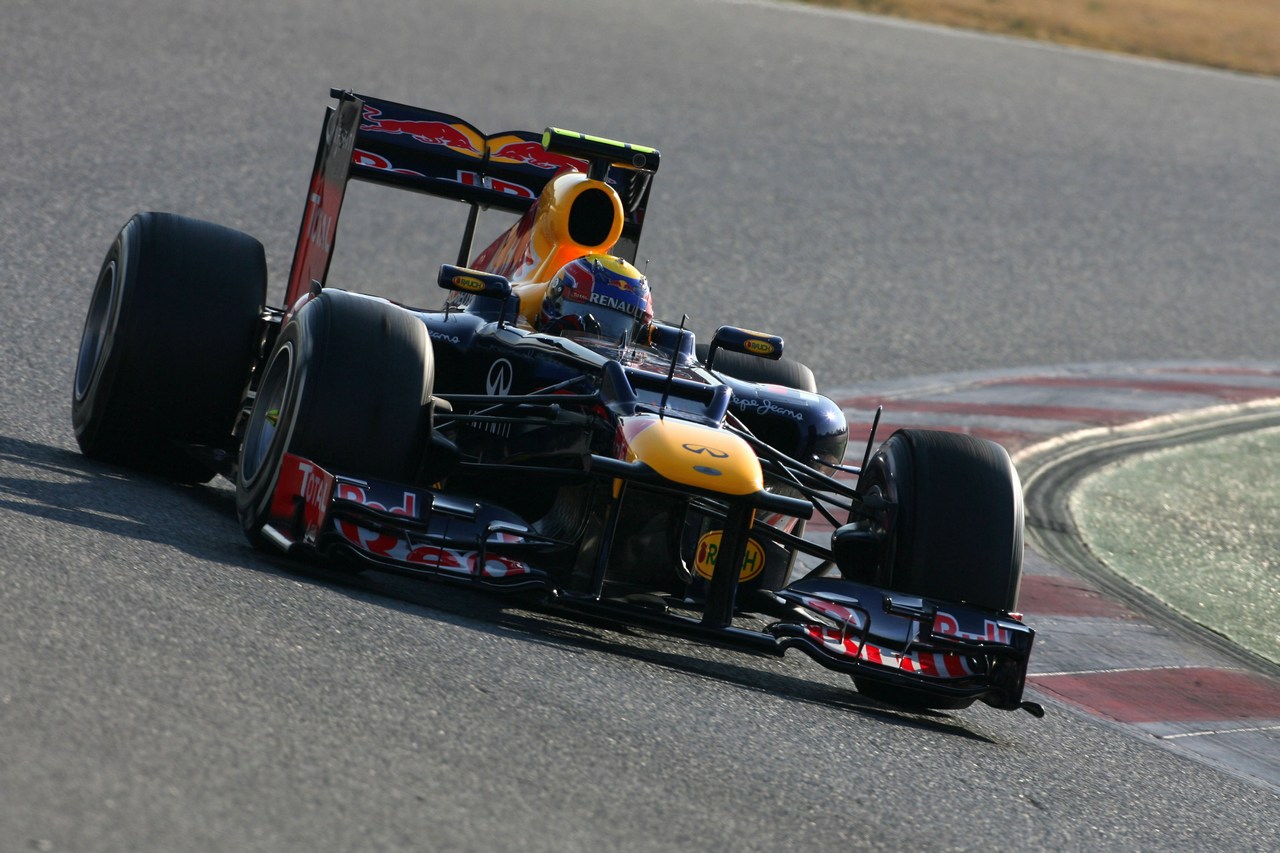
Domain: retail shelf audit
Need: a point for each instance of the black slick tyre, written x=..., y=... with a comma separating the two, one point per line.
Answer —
x=348, y=386
x=956, y=535
x=168, y=344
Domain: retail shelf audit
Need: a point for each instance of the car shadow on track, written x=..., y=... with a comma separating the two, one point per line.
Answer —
x=57, y=485
x=527, y=619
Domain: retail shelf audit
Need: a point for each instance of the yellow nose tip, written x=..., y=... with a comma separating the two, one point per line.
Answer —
x=694, y=455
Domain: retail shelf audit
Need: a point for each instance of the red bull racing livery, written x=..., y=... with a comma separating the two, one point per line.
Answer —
x=542, y=431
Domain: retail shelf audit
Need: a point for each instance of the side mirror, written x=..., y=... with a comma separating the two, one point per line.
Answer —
x=745, y=341
x=474, y=282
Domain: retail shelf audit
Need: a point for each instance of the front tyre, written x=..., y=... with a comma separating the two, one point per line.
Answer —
x=168, y=344
x=348, y=387
x=954, y=534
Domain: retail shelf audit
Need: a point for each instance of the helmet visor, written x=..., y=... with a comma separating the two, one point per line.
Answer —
x=598, y=320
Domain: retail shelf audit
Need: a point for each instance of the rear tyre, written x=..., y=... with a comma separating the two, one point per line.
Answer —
x=748, y=368
x=168, y=344
x=957, y=531
x=348, y=387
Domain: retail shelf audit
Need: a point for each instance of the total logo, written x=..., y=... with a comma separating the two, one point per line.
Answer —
x=320, y=224
x=704, y=560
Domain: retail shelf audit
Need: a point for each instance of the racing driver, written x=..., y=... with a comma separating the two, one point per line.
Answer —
x=600, y=295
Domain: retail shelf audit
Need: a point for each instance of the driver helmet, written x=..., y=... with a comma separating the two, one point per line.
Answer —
x=600, y=295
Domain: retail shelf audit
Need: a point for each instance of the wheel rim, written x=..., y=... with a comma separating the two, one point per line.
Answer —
x=881, y=482
x=266, y=418
x=96, y=326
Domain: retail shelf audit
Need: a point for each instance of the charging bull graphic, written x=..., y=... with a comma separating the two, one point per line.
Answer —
x=426, y=131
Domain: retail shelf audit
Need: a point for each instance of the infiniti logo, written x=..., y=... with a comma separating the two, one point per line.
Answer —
x=498, y=382
x=710, y=451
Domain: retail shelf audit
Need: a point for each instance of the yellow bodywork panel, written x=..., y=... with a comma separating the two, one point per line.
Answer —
x=574, y=216
x=693, y=455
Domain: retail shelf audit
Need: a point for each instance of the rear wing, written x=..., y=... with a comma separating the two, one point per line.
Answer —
x=384, y=142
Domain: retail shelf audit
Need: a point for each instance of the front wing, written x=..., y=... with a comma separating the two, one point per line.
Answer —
x=938, y=648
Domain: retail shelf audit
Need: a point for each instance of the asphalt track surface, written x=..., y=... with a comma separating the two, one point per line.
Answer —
x=895, y=200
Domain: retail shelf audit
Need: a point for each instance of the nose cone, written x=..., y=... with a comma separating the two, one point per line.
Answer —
x=692, y=455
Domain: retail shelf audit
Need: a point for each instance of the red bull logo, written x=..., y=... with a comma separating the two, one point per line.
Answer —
x=426, y=131
x=531, y=153
x=626, y=285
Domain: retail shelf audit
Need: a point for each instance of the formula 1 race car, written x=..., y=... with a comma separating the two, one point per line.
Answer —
x=542, y=431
